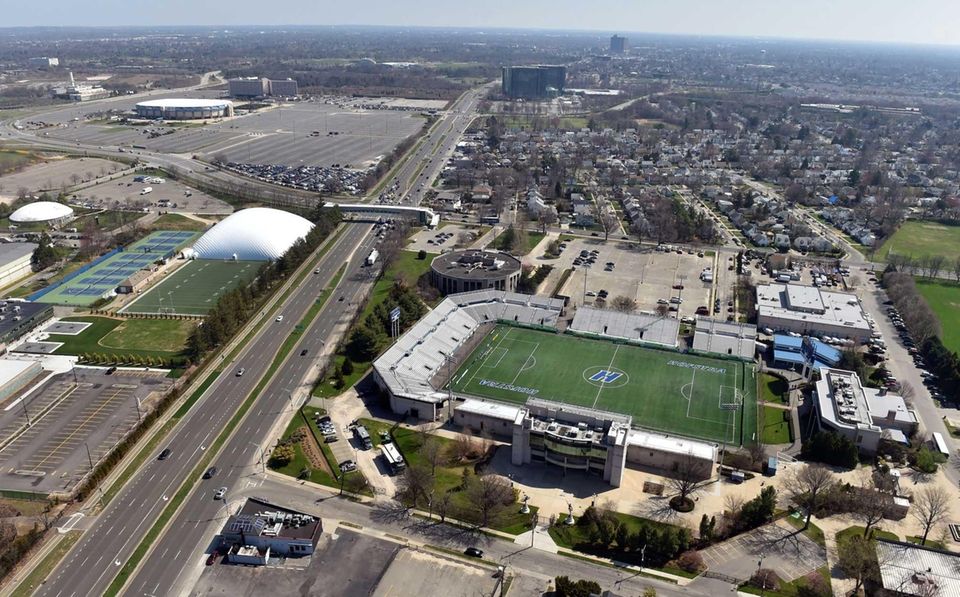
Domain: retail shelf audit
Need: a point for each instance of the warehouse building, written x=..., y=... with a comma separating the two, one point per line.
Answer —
x=15, y=261
x=184, y=109
x=15, y=375
x=864, y=415
x=251, y=87
x=464, y=271
x=19, y=317
x=810, y=310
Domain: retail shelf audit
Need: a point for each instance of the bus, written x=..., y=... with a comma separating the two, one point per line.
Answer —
x=363, y=437
x=392, y=457
x=940, y=444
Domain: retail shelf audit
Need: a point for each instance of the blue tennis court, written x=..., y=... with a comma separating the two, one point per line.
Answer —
x=102, y=277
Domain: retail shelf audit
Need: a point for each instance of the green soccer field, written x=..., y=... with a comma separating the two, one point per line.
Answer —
x=693, y=396
x=195, y=287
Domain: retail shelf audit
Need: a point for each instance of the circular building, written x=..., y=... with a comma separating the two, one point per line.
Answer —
x=255, y=234
x=46, y=212
x=184, y=108
x=463, y=271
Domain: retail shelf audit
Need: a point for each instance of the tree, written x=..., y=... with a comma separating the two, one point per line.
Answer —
x=546, y=218
x=282, y=456
x=609, y=223
x=346, y=366
x=416, y=484
x=44, y=255
x=363, y=344
x=690, y=475
x=760, y=509
x=857, y=559
x=830, y=448
x=931, y=506
x=441, y=505
x=869, y=507
x=575, y=588
x=624, y=304
x=640, y=227
x=489, y=495
x=805, y=484
x=432, y=452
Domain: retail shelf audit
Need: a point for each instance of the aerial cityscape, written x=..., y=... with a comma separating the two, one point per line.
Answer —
x=405, y=300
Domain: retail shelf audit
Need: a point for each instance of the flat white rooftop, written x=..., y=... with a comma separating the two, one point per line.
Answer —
x=671, y=444
x=811, y=305
x=490, y=409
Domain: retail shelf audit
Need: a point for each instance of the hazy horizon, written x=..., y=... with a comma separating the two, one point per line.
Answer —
x=924, y=22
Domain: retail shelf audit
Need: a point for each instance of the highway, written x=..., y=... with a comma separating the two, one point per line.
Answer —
x=91, y=565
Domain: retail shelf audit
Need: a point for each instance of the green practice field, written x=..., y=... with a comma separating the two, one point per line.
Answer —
x=920, y=238
x=944, y=299
x=194, y=288
x=694, y=396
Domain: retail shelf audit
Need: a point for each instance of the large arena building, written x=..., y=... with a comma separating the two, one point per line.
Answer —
x=184, y=108
x=42, y=212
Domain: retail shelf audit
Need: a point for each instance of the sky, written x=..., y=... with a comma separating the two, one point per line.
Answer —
x=898, y=21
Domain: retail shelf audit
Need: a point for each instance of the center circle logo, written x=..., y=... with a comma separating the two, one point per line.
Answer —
x=605, y=377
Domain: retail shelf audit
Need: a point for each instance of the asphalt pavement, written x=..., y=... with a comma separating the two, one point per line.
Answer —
x=93, y=562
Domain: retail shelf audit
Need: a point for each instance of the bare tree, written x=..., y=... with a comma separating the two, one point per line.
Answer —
x=690, y=475
x=662, y=310
x=416, y=484
x=640, y=227
x=441, y=505
x=907, y=392
x=489, y=495
x=936, y=263
x=956, y=269
x=931, y=506
x=432, y=452
x=869, y=506
x=805, y=484
x=624, y=304
x=546, y=218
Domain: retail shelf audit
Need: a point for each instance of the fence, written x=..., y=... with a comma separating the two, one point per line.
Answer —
x=36, y=295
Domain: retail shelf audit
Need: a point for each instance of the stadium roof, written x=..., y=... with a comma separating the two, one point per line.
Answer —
x=645, y=327
x=255, y=234
x=181, y=102
x=41, y=211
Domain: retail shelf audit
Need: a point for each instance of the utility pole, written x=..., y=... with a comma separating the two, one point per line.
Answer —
x=89, y=459
x=23, y=403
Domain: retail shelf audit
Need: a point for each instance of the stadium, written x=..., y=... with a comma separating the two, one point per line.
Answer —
x=505, y=347
x=184, y=109
x=42, y=212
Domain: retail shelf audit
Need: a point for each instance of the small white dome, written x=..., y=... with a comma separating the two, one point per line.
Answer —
x=41, y=211
x=255, y=234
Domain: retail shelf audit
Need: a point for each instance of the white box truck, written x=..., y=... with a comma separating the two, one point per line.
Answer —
x=146, y=190
x=372, y=257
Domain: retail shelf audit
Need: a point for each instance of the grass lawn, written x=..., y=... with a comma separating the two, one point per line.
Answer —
x=774, y=425
x=575, y=536
x=406, y=267
x=449, y=475
x=813, y=531
x=944, y=299
x=300, y=461
x=195, y=287
x=930, y=542
x=164, y=335
x=14, y=160
x=773, y=389
x=920, y=238
x=105, y=220
x=133, y=339
x=875, y=533
x=40, y=573
x=532, y=238
x=178, y=222
x=663, y=390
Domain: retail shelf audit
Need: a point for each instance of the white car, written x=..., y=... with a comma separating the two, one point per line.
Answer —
x=220, y=493
x=279, y=318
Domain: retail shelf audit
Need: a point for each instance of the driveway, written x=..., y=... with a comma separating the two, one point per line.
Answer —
x=781, y=547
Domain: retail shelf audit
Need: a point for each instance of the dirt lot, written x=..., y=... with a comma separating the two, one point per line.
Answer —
x=54, y=175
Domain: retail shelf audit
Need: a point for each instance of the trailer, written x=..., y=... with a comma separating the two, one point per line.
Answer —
x=372, y=257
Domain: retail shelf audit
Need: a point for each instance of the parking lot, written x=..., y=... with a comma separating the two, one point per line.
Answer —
x=47, y=436
x=169, y=196
x=645, y=275
x=442, y=239
x=347, y=562
x=784, y=550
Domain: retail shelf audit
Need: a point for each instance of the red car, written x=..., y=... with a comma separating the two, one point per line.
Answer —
x=212, y=558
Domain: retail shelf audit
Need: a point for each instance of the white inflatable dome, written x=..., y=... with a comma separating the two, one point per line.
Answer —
x=255, y=234
x=41, y=211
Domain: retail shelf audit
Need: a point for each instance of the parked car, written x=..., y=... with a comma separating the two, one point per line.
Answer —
x=473, y=552
x=347, y=466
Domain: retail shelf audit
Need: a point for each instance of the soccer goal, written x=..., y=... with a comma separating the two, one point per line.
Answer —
x=730, y=398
